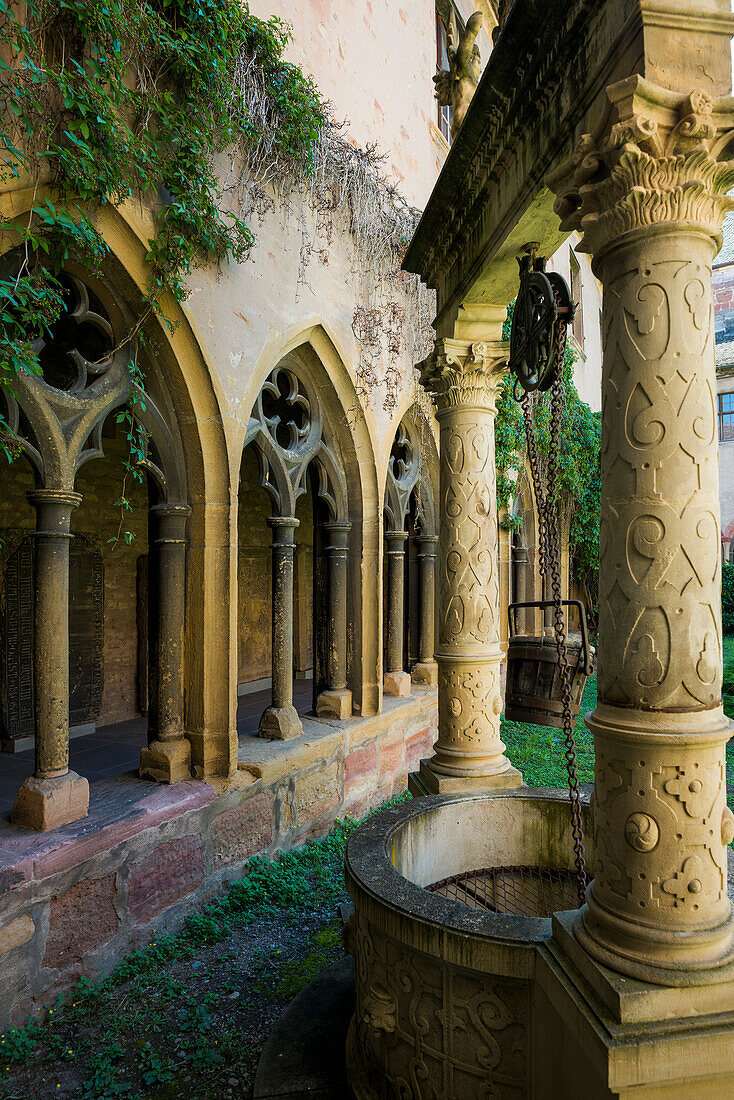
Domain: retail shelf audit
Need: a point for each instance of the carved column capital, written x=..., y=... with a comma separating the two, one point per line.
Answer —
x=465, y=373
x=661, y=159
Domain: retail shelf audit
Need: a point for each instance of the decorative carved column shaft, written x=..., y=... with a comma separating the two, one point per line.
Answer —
x=336, y=700
x=168, y=755
x=650, y=202
x=426, y=669
x=280, y=720
x=397, y=680
x=54, y=795
x=469, y=753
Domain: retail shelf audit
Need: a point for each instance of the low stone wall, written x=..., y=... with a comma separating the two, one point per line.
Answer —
x=74, y=901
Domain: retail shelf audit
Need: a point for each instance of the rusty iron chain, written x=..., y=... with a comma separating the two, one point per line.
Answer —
x=549, y=553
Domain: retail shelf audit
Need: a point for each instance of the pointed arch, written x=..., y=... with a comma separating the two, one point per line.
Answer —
x=194, y=452
x=346, y=476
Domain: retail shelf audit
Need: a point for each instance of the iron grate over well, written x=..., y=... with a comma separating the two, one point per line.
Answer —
x=513, y=891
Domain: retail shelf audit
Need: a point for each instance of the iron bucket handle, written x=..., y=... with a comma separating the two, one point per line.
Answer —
x=542, y=604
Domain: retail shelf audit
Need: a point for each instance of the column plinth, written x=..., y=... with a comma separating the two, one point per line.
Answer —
x=335, y=701
x=53, y=795
x=469, y=753
x=396, y=681
x=280, y=720
x=425, y=671
x=167, y=758
x=650, y=201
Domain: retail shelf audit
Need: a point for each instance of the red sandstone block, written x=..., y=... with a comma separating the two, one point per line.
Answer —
x=81, y=920
x=392, y=755
x=159, y=805
x=239, y=833
x=417, y=746
x=359, y=764
x=170, y=872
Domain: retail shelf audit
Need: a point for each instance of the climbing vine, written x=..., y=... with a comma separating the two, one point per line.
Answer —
x=191, y=109
x=579, y=467
x=110, y=100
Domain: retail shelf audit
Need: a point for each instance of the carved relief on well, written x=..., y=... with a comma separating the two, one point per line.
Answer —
x=433, y=1031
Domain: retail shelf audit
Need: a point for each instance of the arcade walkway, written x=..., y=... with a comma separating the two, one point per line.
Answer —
x=113, y=749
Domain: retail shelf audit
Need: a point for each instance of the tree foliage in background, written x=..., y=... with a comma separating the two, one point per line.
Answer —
x=579, y=466
x=727, y=598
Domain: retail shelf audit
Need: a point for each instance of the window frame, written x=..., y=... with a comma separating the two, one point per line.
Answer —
x=725, y=416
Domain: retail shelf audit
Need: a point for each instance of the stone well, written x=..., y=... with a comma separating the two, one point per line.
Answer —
x=444, y=991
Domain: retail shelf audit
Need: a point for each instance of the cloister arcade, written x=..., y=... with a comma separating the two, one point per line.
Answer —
x=125, y=577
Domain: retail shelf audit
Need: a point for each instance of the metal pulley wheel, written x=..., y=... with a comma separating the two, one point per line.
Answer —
x=542, y=300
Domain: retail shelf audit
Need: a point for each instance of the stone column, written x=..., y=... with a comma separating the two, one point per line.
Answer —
x=53, y=795
x=520, y=578
x=168, y=755
x=426, y=669
x=469, y=753
x=280, y=720
x=657, y=909
x=336, y=700
x=397, y=680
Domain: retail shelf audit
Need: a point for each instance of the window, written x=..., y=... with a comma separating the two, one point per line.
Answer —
x=577, y=325
x=445, y=114
x=726, y=417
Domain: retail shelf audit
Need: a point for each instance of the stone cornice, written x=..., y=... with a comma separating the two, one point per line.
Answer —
x=463, y=373
x=661, y=159
x=537, y=48
x=545, y=79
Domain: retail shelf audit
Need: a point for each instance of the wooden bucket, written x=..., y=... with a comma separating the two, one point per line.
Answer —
x=533, y=684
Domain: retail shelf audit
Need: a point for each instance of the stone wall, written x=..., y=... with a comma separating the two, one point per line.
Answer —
x=254, y=572
x=74, y=901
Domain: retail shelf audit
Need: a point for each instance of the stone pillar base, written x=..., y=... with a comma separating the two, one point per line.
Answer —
x=166, y=761
x=280, y=723
x=396, y=684
x=426, y=781
x=48, y=803
x=631, y=1038
x=425, y=672
x=334, y=704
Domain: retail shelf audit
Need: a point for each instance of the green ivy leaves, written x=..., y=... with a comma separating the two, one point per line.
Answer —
x=579, y=466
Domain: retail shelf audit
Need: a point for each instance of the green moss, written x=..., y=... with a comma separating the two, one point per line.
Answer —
x=325, y=948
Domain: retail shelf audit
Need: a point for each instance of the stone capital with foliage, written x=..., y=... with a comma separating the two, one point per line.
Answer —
x=460, y=372
x=661, y=159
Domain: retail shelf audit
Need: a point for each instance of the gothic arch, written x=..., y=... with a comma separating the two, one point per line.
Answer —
x=188, y=463
x=338, y=445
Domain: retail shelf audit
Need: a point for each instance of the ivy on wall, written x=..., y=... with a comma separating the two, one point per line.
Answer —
x=579, y=466
x=111, y=100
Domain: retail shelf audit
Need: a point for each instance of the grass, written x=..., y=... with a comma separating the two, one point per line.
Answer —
x=538, y=750
x=188, y=1014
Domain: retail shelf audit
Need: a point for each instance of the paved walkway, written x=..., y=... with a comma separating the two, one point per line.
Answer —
x=114, y=749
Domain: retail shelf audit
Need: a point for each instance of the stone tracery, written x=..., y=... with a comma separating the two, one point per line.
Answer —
x=291, y=438
x=410, y=536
